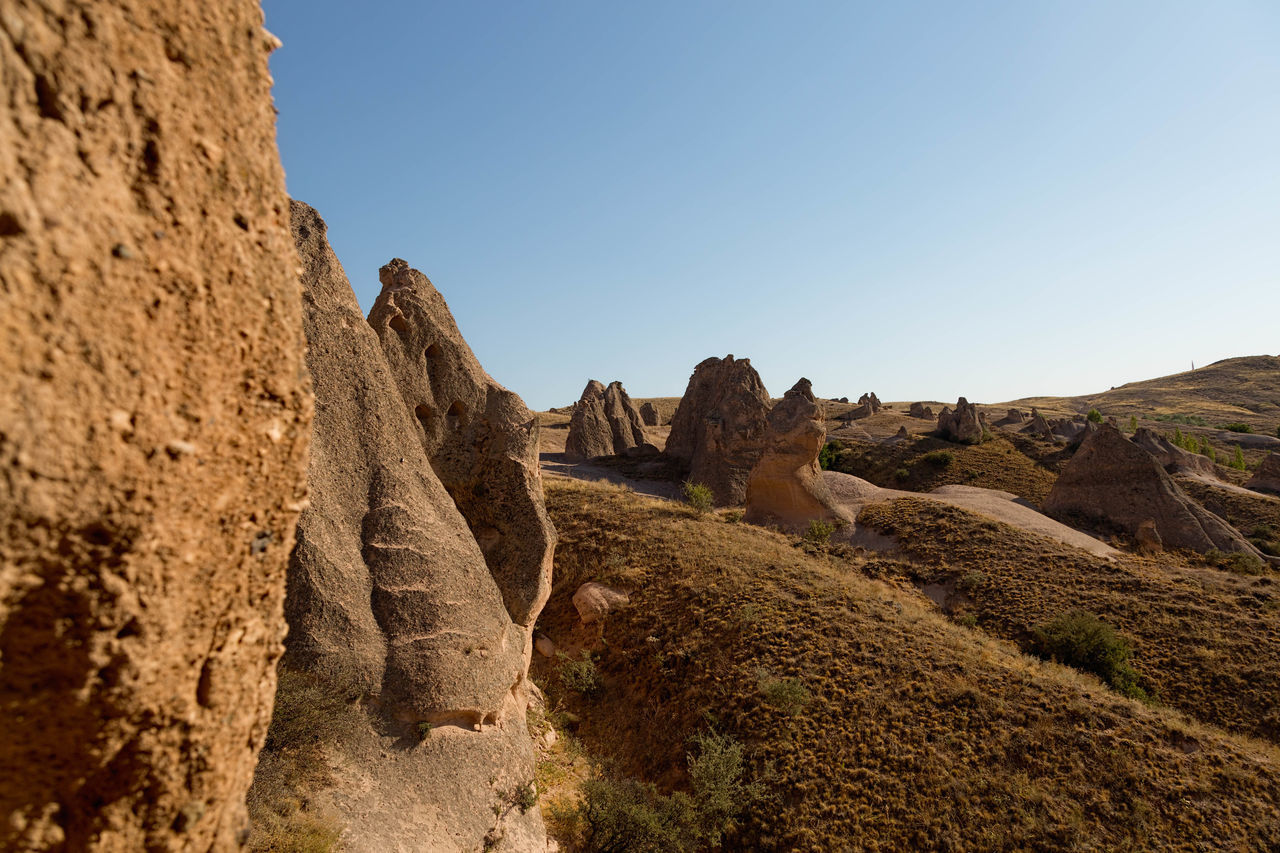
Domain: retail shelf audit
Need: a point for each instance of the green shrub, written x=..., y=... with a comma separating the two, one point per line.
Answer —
x=827, y=455
x=698, y=496
x=1237, y=427
x=788, y=695
x=1095, y=416
x=733, y=516
x=939, y=458
x=579, y=674
x=1082, y=640
x=720, y=791
x=1237, y=562
x=819, y=531
x=901, y=475
x=424, y=730
x=1133, y=423
x=1237, y=459
x=1206, y=449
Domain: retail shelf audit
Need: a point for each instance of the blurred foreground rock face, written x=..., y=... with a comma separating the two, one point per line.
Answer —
x=393, y=595
x=155, y=421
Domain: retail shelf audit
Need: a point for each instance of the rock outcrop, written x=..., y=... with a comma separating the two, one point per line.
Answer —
x=718, y=431
x=649, y=414
x=920, y=410
x=786, y=485
x=604, y=423
x=1267, y=477
x=1174, y=459
x=964, y=425
x=154, y=424
x=480, y=438
x=1015, y=417
x=1112, y=480
x=1039, y=426
x=390, y=592
x=594, y=601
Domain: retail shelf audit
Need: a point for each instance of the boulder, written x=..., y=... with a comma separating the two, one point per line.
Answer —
x=1174, y=459
x=480, y=439
x=649, y=414
x=154, y=425
x=920, y=410
x=605, y=423
x=786, y=485
x=718, y=431
x=1267, y=477
x=965, y=424
x=390, y=593
x=594, y=601
x=1112, y=480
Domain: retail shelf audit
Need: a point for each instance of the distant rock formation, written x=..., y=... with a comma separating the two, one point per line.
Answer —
x=965, y=424
x=604, y=423
x=390, y=593
x=649, y=414
x=1015, y=417
x=154, y=421
x=786, y=485
x=480, y=438
x=1039, y=426
x=1267, y=477
x=718, y=431
x=1113, y=480
x=1173, y=458
x=920, y=410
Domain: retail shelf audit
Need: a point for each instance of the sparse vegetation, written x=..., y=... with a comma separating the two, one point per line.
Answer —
x=1237, y=459
x=819, y=532
x=1237, y=427
x=1094, y=416
x=788, y=695
x=579, y=674
x=1133, y=423
x=1189, y=420
x=1238, y=562
x=939, y=458
x=827, y=455
x=698, y=496
x=1082, y=640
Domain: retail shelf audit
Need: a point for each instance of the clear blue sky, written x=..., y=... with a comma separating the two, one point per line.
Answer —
x=993, y=199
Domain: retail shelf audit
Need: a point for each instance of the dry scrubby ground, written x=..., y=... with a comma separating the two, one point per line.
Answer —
x=875, y=721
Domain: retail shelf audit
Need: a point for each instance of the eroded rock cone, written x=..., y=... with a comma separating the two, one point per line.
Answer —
x=718, y=431
x=920, y=410
x=389, y=591
x=1267, y=477
x=1110, y=479
x=649, y=414
x=786, y=485
x=1013, y=418
x=480, y=438
x=154, y=424
x=964, y=425
x=1039, y=426
x=1173, y=458
x=604, y=423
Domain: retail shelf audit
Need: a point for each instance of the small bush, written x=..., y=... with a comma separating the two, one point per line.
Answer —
x=424, y=730
x=1094, y=416
x=1082, y=640
x=733, y=516
x=1237, y=562
x=939, y=458
x=720, y=792
x=901, y=475
x=579, y=674
x=1133, y=423
x=698, y=497
x=1237, y=427
x=819, y=532
x=1237, y=459
x=1206, y=449
x=827, y=455
x=788, y=695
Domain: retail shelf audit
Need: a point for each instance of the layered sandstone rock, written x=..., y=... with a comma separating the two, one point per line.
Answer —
x=1114, y=481
x=649, y=414
x=390, y=595
x=718, y=431
x=604, y=423
x=1267, y=477
x=1173, y=458
x=481, y=439
x=154, y=424
x=786, y=485
x=964, y=424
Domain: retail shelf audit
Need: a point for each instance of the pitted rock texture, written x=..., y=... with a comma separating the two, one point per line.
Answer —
x=718, y=430
x=964, y=425
x=1113, y=480
x=480, y=438
x=154, y=425
x=786, y=485
x=390, y=597
x=1267, y=477
x=604, y=423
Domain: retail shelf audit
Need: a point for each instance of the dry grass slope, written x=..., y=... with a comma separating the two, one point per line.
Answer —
x=917, y=733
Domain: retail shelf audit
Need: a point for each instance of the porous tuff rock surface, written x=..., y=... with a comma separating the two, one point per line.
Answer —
x=718, y=430
x=786, y=485
x=1111, y=479
x=649, y=414
x=154, y=425
x=964, y=424
x=604, y=423
x=1267, y=477
x=390, y=596
x=481, y=439
x=1173, y=458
